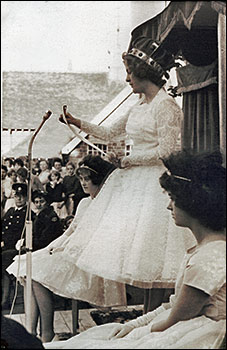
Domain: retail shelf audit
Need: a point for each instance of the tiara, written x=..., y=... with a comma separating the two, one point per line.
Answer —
x=148, y=60
x=178, y=177
x=87, y=167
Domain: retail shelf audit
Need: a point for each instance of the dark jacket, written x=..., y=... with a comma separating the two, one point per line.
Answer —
x=13, y=223
x=55, y=194
x=47, y=226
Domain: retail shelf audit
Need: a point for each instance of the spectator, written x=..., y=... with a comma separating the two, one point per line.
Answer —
x=44, y=167
x=56, y=196
x=13, y=225
x=58, y=166
x=72, y=189
x=18, y=163
x=36, y=185
x=5, y=188
x=8, y=162
x=35, y=167
x=10, y=202
x=46, y=224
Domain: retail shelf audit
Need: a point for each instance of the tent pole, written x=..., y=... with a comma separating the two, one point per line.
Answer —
x=29, y=231
x=222, y=81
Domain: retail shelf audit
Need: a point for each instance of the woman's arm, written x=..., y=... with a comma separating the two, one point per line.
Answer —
x=188, y=305
x=102, y=132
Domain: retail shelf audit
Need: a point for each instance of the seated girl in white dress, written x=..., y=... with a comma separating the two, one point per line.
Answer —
x=195, y=316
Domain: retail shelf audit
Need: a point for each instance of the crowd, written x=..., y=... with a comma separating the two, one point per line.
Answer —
x=122, y=233
x=56, y=193
x=60, y=182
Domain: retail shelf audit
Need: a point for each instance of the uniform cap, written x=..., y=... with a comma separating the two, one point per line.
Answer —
x=20, y=188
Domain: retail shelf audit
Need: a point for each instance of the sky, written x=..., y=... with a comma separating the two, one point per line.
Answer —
x=54, y=35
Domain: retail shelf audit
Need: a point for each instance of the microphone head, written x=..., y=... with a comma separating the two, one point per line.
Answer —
x=47, y=115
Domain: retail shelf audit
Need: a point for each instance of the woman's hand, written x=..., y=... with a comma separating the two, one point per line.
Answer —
x=125, y=162
x=120, y=331
x=57, y=244
x=70, y=119
x=60, y=205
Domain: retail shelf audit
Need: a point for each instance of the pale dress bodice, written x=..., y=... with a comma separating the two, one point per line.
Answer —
x=204, y=267
x=153, y=127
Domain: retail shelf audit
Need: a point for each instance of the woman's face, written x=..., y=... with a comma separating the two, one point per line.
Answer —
x=180, y=217
x=58, y=166
x=70, y=170
x=40, y=203
x=87, y=184
x=13, y=177
x=136, y=84
x=54, y=177
x=43, y=165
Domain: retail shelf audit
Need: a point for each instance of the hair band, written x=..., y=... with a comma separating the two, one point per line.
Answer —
x=87, y=167
x=178, y=177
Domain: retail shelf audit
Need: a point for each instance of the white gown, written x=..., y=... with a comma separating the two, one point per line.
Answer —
x=126, y=234
x=203, y=268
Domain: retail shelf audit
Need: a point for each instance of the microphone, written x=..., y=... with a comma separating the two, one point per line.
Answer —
x=47, y=115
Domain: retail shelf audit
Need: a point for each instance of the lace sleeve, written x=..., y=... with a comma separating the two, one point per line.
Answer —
x=168, y=120
x=106, y=133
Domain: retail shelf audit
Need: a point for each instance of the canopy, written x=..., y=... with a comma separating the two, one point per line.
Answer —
x=197, y=32
x=186, y=26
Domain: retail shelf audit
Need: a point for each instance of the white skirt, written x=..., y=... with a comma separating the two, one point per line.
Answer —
x=197, y=333
x=128, y=235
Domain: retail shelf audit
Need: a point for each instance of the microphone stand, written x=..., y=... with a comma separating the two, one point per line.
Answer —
x=29, y=230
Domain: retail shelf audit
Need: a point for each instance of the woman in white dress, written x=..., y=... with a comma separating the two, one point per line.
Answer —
x=128, y=217
x=53, y=272
x=195, y=317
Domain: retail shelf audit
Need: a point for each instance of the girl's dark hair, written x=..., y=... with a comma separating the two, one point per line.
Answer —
x=4, y=167
x=10, y=161
x=18, y=161
x=101, y=167
x=55, y=172
x=22, y=172
x=197, y=184
x=72, y=164
x=57, y=159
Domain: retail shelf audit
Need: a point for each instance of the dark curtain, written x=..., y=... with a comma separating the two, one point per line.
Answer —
x=200, y=129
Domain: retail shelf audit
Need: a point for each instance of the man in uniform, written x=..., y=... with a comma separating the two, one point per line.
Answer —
x=13, y=224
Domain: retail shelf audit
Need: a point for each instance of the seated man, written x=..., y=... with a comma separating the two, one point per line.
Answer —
x=13, y=224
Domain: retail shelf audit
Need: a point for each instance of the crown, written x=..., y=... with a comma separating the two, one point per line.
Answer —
x=148, y=60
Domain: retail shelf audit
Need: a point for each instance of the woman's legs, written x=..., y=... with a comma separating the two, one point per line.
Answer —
x=6, y=283
x=44, y=299
x=34, y=310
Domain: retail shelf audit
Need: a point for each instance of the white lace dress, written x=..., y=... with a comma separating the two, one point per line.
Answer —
x=129, y=235
x=203, y=268
x=125, y=234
